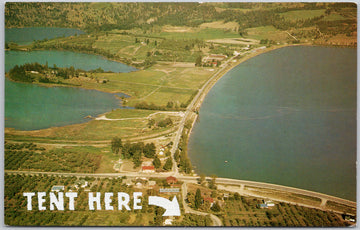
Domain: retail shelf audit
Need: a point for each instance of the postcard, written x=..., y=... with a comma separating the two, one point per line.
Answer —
x=180, y=114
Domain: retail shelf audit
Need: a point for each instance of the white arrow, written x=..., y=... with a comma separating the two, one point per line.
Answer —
x=171, y=207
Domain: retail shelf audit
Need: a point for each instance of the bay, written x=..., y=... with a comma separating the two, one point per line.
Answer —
x=286, y=117
x=64, y=59
x=33, y=107
x=25, y=36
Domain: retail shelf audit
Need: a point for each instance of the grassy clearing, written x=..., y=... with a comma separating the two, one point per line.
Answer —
x=129, y=113
x=192, y=78
x=207, y=33
x=151, y=77
x=333, y=17
x=91, y=131
x=220, y=25
x=164, y=95
x=302, y=14
x=266, y=32
x=159, y=84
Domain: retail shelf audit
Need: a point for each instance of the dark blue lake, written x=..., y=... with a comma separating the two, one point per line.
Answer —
x=286, y=117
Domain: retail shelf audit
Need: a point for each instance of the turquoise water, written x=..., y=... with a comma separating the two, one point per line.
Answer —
x=32, y=107
x=64, y=59
x=286, y=117
x=24, y=36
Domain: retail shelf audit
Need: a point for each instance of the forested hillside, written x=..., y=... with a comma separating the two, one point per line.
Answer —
x=108, y=16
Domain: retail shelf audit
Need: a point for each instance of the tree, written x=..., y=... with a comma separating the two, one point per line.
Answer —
x=170, y=104
x=236, y=196
x=177, y=155
x=168, y=164
x=116, y=145
x=164, y=123
x=212, y=182
x=190, y=198
x=198, y=61
x=156, y=162
x=198, y=199
x=126, y=150
x=151, y=123
x=216, y=207
x=137, y=159
x=202, y=178
x=150, y=150
x=167, y=153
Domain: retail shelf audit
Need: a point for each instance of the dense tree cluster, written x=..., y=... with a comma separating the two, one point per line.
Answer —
x=181, y=157
x=32, y=72
x=152, y=106
x=133, y=151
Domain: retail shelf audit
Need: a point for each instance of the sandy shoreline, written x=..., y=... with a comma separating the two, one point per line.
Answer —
x=202, y=97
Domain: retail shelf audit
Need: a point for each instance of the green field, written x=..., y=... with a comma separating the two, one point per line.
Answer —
x=129, y=113
x=302, y=14
x=206, y=34
x=266, y=32
x=333, y=17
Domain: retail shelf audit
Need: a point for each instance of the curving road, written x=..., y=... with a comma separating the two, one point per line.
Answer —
x=191, y=107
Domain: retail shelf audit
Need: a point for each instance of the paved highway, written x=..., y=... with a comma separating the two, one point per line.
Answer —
x=190, y=109
x=192, y=179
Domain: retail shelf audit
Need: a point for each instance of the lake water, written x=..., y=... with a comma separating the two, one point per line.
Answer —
x=31, y=107
x=286, y=117
x=24, y=36
x=64, y=59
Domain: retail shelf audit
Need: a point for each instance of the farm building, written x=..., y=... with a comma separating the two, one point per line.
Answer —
x=171, y=180
x=148, y=169
x=57, y=188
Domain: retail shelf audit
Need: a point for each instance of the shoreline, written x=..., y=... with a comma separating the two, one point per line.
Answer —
x=242, y=60
x=207, y=89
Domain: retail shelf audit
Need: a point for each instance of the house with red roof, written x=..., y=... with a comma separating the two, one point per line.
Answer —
x=148, y=169
x=171, y=180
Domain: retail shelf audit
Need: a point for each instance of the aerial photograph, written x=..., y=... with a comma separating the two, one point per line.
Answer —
x=232, y=114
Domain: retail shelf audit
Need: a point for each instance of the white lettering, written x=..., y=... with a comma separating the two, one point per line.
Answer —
x=29, y=196
x=123, y=200
x=71, y=196
x=108, y=201
x=137, y=200
x=41, y=200
x=59, y=203
x=93, y=199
